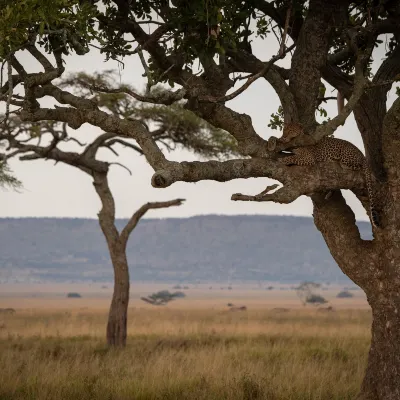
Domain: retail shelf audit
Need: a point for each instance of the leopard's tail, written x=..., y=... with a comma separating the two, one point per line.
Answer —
x=375, y=220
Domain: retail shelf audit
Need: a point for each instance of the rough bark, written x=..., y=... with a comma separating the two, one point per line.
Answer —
x=118, y=314
x=382, y=377
x=311, y=54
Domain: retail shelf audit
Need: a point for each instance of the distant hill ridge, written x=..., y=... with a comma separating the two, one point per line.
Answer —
x=207, y=248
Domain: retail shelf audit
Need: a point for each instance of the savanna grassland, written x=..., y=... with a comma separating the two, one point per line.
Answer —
x=199, y=352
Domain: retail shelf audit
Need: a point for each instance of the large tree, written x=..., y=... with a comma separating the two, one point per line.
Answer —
x=329, y=42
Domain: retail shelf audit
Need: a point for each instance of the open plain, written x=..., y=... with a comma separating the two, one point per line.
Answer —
x=193, y=348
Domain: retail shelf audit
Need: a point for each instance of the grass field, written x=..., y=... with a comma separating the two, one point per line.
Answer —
x=184, y=353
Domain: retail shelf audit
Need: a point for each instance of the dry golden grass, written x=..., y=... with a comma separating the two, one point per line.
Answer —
x=184, y=354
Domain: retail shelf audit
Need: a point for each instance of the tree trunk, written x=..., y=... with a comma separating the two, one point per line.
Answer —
x=382, y=377
x=118, y=315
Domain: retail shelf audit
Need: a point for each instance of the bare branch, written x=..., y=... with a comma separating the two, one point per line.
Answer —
x=285, y=30
x=122, y=166
x=71, y=139
x=10, y=90
x=130, y=226
x=150, y=82
x=340, y=101
x=252, y=79
x=15, y=80
x=91, y=150
x=126, y=144
x=46, y=64
x=246, y=62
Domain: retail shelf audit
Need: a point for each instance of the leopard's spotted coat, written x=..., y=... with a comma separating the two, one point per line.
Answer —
x=340, y=150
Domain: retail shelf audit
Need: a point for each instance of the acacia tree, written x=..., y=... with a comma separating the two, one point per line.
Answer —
x=47, y=140
x=329, y=42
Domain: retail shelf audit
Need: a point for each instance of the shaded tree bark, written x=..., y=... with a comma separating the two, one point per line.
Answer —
x=373, y=265
x=382, y=376
x=118, y=314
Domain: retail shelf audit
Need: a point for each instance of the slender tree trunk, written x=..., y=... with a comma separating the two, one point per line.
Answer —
x=118, y=315
x=382, y=377
x=116, y=242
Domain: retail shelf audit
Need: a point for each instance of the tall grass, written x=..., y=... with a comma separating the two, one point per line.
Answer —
x=183, y=354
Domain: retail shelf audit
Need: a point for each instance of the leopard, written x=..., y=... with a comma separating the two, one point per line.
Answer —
x=289, y=132
x=350, y=156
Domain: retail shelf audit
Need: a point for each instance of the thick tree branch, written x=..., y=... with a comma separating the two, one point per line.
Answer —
x=64, y=97
x=109, y=123
x=53, y=153
x=337, y=223
x=298, y=180
x=238, y=125
x=311, y=55
x=134, y=220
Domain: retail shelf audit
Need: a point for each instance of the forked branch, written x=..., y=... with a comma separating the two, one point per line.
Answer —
x=132, y=223
x=249, y=81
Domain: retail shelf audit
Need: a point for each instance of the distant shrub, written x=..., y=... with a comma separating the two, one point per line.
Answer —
x=344, y=295
x=315, y=299
x=177, y=287
x=73, y=295
x=162, y=297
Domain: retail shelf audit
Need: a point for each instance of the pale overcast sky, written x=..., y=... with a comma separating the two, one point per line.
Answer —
x=63, y=191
